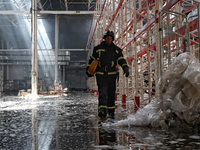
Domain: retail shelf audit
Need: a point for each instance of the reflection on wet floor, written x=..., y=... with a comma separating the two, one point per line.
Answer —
x=69, y=122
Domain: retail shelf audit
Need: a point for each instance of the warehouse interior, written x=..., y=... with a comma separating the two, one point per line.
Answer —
x=48, y=102
x=71, y=50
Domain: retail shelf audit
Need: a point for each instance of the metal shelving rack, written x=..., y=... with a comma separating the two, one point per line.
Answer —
x=147, y=51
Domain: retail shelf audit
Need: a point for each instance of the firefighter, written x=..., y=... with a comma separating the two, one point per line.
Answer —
x=108, y=55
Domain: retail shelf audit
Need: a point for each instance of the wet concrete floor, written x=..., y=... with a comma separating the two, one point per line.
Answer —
x=69, y=122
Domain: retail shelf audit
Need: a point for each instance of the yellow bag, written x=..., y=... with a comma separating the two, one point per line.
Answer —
x=93, y=66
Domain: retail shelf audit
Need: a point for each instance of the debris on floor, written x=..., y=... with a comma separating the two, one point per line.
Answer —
x=177, y=104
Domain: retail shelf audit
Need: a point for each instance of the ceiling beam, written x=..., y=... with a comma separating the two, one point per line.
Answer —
x=68, y=12
x=40, y=4
x=89, y=1
x=13, y=12
x=16, y=5
x=66, y=6
x=49, y=12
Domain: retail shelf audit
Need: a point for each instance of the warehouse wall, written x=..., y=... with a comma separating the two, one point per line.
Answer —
x=16, y=72
x=76, y=79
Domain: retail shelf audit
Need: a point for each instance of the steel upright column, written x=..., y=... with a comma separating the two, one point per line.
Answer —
x=56, y=46
x=34, y=70
x=137, y=98
x=126, y=39
x=157, y=58
x=148, y=54
x=135, y=50
x=132, y=50
x=121, y=23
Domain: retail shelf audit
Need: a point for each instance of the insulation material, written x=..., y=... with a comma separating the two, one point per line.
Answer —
x=178, y=103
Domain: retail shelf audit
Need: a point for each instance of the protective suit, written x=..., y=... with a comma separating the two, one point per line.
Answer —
x=109, y=55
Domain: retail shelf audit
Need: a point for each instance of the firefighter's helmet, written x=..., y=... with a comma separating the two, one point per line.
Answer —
x=109, y=33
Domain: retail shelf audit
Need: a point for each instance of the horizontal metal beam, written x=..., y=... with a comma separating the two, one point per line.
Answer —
x=16, y=50
x=13, y=12
x=49, y=12
x=67, y=12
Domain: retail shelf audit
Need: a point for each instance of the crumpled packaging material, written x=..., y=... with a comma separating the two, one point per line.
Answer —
x=192, y=74
x=178, y=101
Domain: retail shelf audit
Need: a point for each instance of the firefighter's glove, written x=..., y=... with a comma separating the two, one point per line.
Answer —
x=87, y=73
x=126, y=72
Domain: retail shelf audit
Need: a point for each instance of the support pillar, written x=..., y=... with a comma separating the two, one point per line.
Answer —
x=56, y=46
x=34, y=70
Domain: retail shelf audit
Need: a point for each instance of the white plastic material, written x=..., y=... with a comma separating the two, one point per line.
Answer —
x=178, y=102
